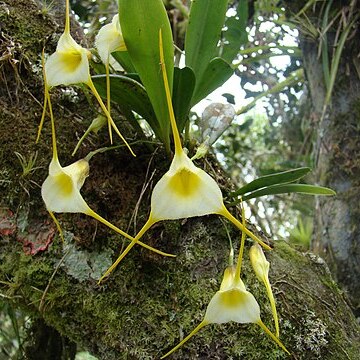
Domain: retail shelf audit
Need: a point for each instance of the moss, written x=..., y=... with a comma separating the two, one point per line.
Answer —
x=148, y=302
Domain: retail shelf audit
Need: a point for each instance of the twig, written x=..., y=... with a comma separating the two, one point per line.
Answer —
x=42, y=300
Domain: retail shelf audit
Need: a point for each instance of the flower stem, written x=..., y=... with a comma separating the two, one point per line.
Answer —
x=108, y=99
x=242, y=245
x=273, y=306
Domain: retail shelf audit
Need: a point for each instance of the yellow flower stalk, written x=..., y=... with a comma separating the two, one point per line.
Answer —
x=70, y=65
x=231, y=303
x=108, y=40
x=61, y=190
x=261, y=269
x=185, y=190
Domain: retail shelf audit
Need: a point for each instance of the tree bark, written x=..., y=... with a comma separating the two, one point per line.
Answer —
x=150, y=302
x=336, y=154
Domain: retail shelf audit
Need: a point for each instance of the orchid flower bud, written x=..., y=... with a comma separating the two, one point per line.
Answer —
x=261, y=268
x=94, y=127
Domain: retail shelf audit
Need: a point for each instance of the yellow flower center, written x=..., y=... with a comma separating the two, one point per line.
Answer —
x=184, y=182
x=64, y=185
x=71, y=60
x=233, y=299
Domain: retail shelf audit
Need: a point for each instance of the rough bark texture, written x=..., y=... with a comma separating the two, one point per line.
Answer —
x=337, y=154
x=149, y=302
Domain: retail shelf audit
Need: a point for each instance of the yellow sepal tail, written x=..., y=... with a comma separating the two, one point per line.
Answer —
x=225, y=212
x=200, y=326
x=108, y=98
x=272, y=336
x=57, y=225
x=273, y=306
x=104, y=109
x=134, y=241
x=175, y=131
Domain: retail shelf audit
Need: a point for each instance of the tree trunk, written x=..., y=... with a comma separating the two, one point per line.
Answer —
x=337, y=154
x=149, y=302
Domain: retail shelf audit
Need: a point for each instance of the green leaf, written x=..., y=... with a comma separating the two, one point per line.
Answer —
x=129, y=95
x=290, y=188
x=236, y=34
x=184, y=83
x=272, y=179
x=140, y=23
x=216, y=73
x=123, y=58
x=206, y=20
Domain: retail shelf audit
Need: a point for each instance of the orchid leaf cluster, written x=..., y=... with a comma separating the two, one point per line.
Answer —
x=280, y=183
x=140, y=76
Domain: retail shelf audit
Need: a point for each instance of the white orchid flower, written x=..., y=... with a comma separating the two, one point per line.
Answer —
x=261, y=268
x=69, y=65
x=184, y=190
x=231, y=303
x=108, y=40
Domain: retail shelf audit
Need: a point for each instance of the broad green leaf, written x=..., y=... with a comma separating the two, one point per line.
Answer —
x=123, y=58
x=216, y=73
x=290, y=188
x=235, y=34
x=206, y=20
x=272, y=179
x=184, y=83
x=130, y=95
x=140, y=23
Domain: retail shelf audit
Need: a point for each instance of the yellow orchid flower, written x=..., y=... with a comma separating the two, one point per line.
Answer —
x=261, y=268
x=70, y=65
x=231, y=303
x=61, y=190
x=185, y=190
